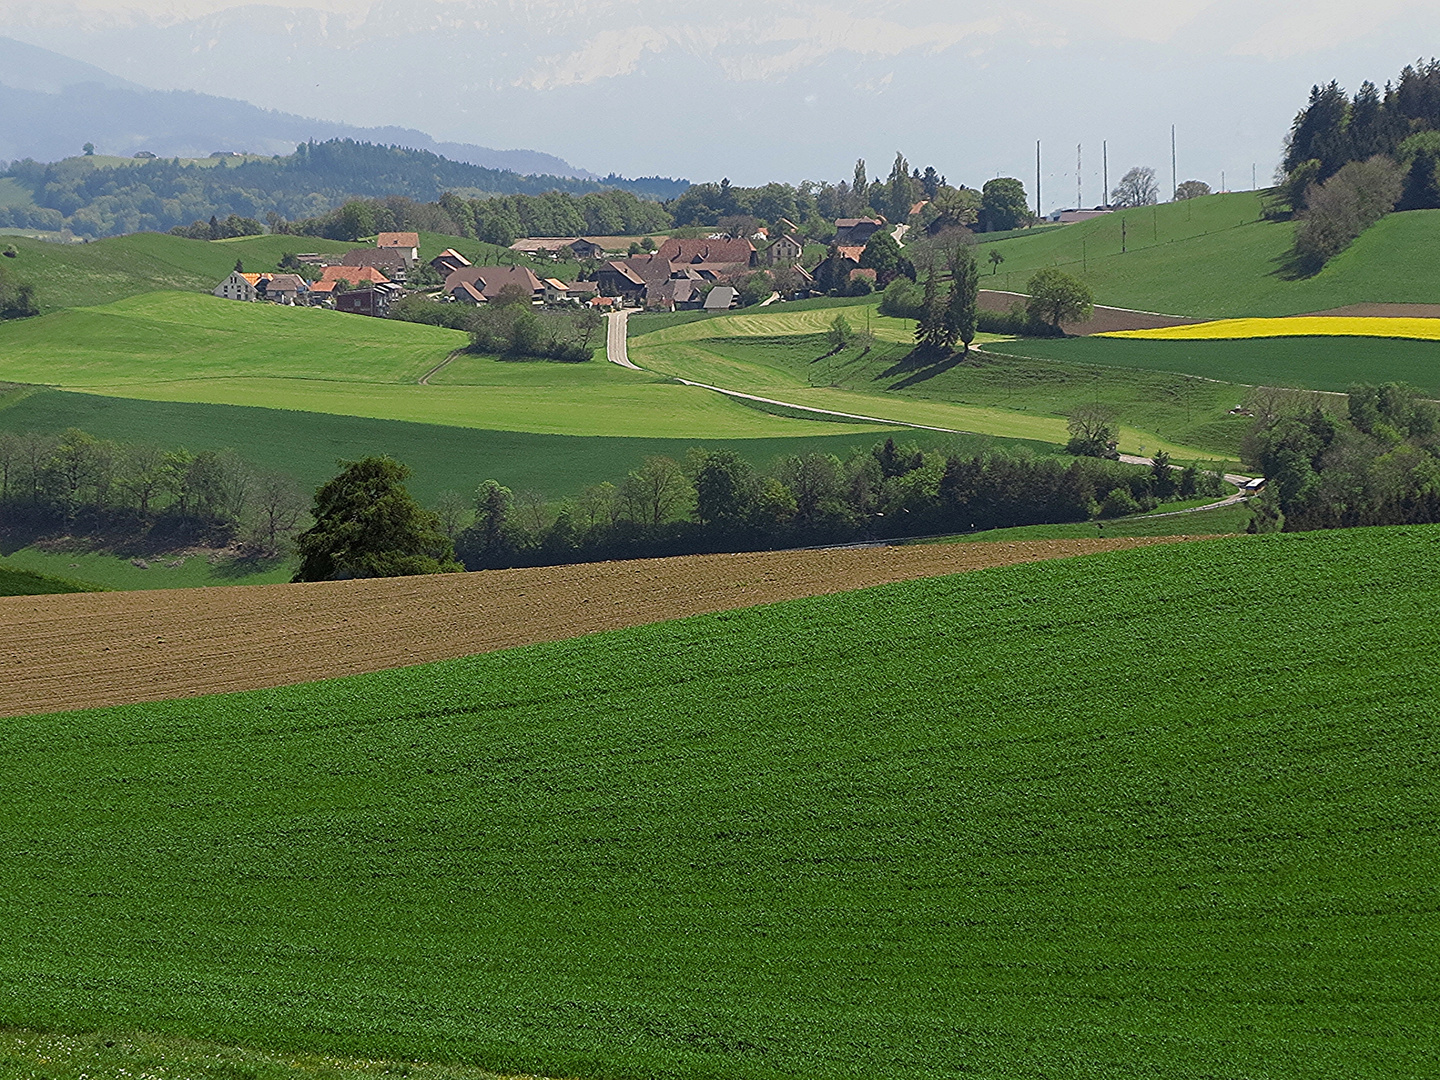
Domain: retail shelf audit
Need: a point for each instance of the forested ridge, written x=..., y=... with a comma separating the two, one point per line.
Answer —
x=96, y=198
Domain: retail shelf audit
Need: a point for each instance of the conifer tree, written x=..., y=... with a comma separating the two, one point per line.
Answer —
x=960, y=311
x=930, y=331
x=859, y=189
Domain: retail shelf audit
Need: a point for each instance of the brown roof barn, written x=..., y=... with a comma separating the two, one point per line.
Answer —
x=727, y=252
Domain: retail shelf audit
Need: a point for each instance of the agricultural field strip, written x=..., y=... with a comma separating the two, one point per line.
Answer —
x=922, y=414
x=95, y=649
x=1416, y=329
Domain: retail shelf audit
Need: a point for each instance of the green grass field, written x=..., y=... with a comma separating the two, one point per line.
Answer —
x=17, y=582
x=1330, y=364
x=1221, y=521
x=1166, y=813
x=307, y=445
x=85, y=275
x=1214, y=257
x=783, y=355
x=175, y=570
x=179, y=347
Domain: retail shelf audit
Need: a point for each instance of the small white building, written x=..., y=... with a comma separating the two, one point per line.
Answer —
x=238, y=286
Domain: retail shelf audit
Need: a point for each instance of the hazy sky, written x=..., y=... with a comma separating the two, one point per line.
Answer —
x=775, y=89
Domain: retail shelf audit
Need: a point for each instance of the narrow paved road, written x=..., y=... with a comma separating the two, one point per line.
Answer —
x=616, y=350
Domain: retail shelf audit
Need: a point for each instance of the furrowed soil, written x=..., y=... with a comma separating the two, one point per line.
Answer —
x=89, y=650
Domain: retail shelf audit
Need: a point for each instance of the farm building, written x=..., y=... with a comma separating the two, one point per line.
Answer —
x=407, y=243
x=373, y=300
x=391, y=262
x=578, y=247
x=486, y=282
x=448, y=261
x=856, y=232
x=725, y=252
x=785, y=251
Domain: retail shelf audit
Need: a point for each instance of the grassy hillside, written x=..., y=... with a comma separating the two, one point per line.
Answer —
x=1214, y=257
x=1332, y=364
x=307, y=445
x=1144, y=826
x=784, y=355
x=182, y=347
x=18, y=582
x=75, y=275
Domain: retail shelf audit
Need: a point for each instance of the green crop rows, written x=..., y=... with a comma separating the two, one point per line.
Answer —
x=1331, y=364
x=1168, y=813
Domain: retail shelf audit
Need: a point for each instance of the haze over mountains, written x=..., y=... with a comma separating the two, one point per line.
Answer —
x=53, y=105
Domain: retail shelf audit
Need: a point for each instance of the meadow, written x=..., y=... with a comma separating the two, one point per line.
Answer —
x=1220, y=521
x=1098, y=817
x=180, y=347
x=103, y=271
x=1331, y=364
x=1216, y=257
x=784, y=355
x=18, y=582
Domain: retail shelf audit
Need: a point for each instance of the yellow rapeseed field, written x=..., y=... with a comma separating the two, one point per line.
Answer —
x=1297, y=326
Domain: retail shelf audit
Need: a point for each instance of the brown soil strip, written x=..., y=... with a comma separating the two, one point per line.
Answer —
x=1383, y=311
x=84, y=650
x=1105, y=320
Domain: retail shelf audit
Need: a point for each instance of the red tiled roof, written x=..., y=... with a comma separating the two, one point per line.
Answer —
x=398, y=240
x=354, y=273
x=728, y=252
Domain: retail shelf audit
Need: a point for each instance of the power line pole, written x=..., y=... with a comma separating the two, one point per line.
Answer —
x=1079, y=164
x=1037, y=179
x=1174, y=173
x=1105, y=172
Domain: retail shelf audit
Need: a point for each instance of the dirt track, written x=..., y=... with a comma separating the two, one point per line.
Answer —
x=89, y=649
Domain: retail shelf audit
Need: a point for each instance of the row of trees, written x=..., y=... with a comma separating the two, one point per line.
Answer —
x=75, y=482
x=17, y=297
x=1377, y=464
x=233, y=226
x=945, y=314
x=718, y=501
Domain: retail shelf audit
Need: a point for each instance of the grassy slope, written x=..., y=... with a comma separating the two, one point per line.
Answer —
x=1214, y=257
x=1142, y=826
x=307, y=445
x=75, y=275
x=19, y=582
x=127, y=574
x=784, y=356
x=1331, y=364
x=178, y=347
x=1225, y=520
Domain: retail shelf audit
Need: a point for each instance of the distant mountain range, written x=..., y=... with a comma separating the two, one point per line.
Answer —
x=51, y=105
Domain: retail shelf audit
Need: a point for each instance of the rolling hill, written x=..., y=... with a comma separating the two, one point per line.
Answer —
x=1099, y=817
x=1216, y=257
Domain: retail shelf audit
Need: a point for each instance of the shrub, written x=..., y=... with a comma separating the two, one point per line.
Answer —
x=1119, y=503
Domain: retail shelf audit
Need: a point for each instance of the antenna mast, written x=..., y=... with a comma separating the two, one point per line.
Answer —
x=1174, y=174
x=1037, y=179
x=1105, y=171
x=1079, y=196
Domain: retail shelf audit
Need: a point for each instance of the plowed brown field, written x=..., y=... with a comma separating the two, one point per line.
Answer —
x=90, y=649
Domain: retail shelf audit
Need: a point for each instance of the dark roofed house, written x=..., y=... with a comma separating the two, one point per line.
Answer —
x=372, y=300
x=448, y=261
x=618, y=279
x=725, y=252
x=490, y=280
x=856, y=231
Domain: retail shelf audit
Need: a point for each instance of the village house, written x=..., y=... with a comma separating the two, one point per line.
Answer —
x=731, y=253
x=407, y=243
x=785, y=251
x=448, y=261
x=721, y=298
x=559, y=292
x=578, y=247
x=373, y=300
x=481, y=284
x=392, y=262
x=286, y=289
x=238, y=286
x=856, y=232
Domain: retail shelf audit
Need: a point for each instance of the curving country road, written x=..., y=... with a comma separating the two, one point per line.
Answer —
x=617, y=351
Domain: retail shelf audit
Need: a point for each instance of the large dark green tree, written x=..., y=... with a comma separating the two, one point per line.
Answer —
x=1056, y=297
x=1002, y=205
x=882, y=254
x=367, y=525
x=961, y=309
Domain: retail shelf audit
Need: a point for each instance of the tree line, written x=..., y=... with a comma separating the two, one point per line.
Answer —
x=715, y=500
x=107, y=200
x=1348, y=161
x=1378, y=463
x=77, y=484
